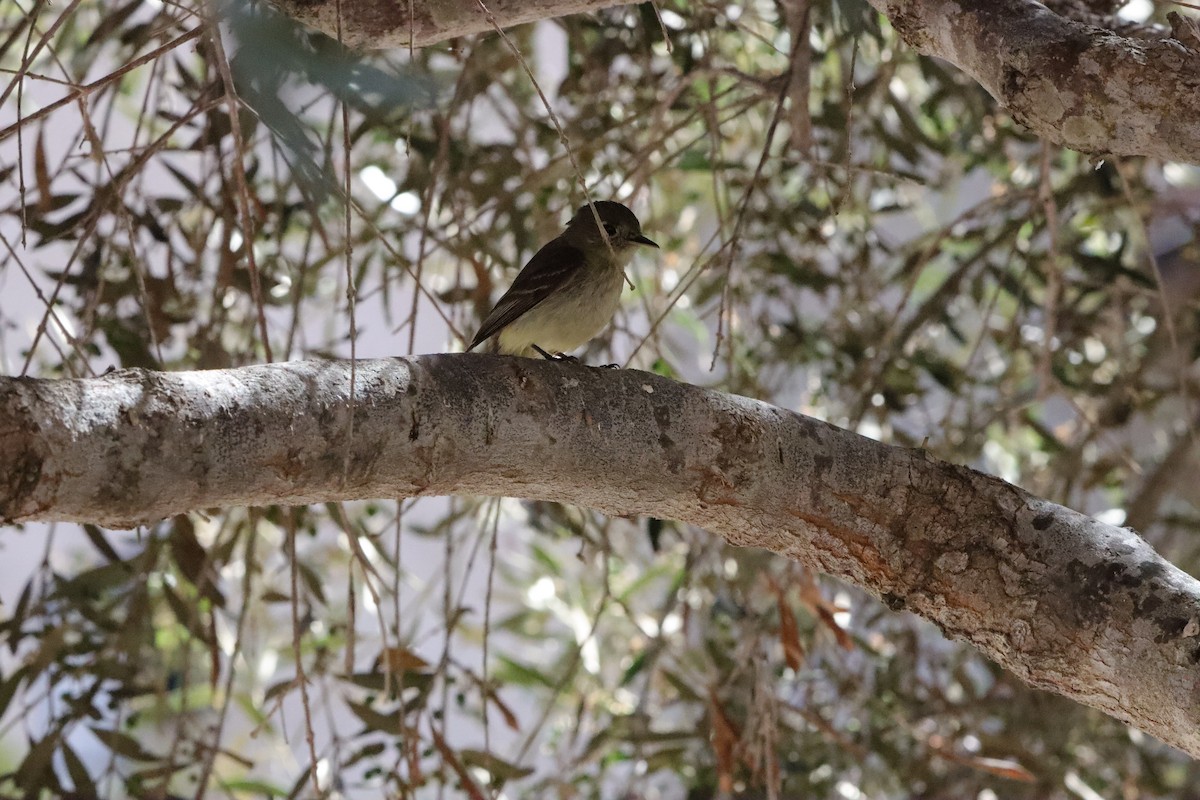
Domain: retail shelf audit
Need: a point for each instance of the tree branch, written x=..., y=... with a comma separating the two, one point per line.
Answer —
x=378, y=24
x=1075, y=84
x=1121, y=89
x=1067, y=603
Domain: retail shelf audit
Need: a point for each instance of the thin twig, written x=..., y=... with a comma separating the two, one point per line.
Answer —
x=239, y=177
x=735, y=237
x=297, y=652
x=1053, y=274
x=100, y=83
x=562, y=134
x=248, y=575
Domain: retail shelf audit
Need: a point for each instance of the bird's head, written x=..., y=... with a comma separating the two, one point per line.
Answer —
x=618, y=222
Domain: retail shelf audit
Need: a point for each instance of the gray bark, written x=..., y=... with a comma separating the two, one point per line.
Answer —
x=1076, y=84
x=1067, y=603
x=377, y=24
x=1111, y=90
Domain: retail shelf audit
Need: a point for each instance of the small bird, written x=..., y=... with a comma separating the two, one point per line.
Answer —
x=570, y=289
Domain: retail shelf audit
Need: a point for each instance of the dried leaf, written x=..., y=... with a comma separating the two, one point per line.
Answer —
x=401, y=659
x=724, y=739
x=825, y=615
x=464, y=777
x=41, y=173
x=510, y=719
x=1004, y=767
x=789, y=631
x=822, y=609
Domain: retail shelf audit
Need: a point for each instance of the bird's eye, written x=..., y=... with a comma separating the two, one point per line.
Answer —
x=609, y=229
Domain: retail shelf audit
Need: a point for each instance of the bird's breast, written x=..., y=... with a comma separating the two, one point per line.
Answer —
x=572, y=315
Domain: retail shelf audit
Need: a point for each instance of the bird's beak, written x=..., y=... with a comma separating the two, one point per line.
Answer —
x=640, y=239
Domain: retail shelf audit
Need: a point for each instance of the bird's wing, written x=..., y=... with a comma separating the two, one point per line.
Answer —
x=550, y=268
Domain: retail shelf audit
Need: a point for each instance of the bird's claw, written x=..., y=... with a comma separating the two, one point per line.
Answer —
x=555, y=356
x=563, y=357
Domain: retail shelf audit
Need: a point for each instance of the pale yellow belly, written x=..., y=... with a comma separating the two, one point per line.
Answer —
x=566, y=321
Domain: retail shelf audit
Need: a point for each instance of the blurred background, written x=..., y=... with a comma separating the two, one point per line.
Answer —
x=848, y=230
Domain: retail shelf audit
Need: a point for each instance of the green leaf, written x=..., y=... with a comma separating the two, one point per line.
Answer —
x=498, y=768
x=81, y=780
x=392, y=723
x=510, y=671
x=34, y=772
x=123, y=745
x=254, y=787
x=9, y=687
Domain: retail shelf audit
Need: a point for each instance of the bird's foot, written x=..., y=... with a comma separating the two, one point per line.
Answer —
x=555, y=356
x=568, y=359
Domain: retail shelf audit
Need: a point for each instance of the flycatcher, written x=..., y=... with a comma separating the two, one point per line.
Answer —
x=570, y=289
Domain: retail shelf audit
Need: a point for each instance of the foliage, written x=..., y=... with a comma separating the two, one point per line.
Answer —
x=848, y=230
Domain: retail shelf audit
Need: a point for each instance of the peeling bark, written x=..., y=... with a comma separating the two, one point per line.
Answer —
x=1081, y=86
x=1065, y=602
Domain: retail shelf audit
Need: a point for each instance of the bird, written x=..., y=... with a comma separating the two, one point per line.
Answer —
x=571, y=287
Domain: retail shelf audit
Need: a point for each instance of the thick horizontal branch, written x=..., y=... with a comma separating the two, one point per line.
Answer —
x=1082, y=86
x=1078, y=85
x=378, y=24
x=1066, y=602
